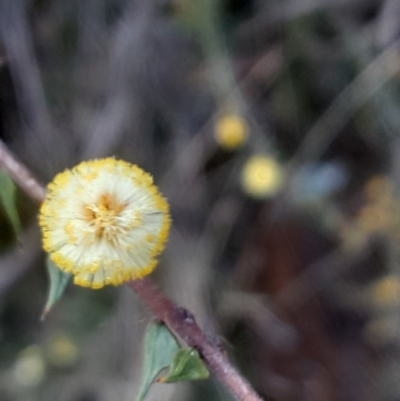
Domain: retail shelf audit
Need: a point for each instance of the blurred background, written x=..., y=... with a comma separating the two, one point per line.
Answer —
x=273, y=128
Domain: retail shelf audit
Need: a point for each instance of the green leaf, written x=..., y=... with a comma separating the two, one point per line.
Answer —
x=187, y=365
x=58, y=283
x=8, y=199
x=160, y=346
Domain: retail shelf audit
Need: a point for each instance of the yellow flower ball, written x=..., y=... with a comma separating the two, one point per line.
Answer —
x=262, y=177
x=62, y=351
x=29, y=369
x=230, y=132
x=105, y=222
x=386, y=291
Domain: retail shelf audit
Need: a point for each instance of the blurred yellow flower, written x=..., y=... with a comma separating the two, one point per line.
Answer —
x=62, y=351
x=379, y=216
x=230, y=131
x=262, y=177
x=386, y=291
x=105, y=222
x=29, y=369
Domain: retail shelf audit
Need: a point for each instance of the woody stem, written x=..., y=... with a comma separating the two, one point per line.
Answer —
x=182, y=322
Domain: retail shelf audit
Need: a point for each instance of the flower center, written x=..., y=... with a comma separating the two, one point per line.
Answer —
x=104, y=218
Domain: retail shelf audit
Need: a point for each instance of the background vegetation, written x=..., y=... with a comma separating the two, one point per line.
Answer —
x=298, y=280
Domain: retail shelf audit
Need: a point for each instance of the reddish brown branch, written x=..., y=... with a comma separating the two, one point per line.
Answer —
x=20, y=174
x=178, y=319
x=182, y=322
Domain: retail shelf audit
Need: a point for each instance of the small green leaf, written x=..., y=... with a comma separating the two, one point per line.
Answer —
x=8, y=200
x=160, y=346
x=187, y=365
x=58, y=282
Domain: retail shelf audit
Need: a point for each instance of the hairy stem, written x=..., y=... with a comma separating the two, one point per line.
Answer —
x=182, y=322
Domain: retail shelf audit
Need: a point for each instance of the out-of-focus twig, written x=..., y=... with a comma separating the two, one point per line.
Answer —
x=376, y=74
x=23, y=67
x=362, y=89
x=388, y=27
x=129, y=40
x=272, y=13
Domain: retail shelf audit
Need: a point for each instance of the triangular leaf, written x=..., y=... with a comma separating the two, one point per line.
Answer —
x=160, y=346
x=187, y=365
x=8, y=200
x=58, y=282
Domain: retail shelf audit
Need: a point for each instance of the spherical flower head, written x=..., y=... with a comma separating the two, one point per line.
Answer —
x=105, y=222
x=230, y=132
x=262, y=177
